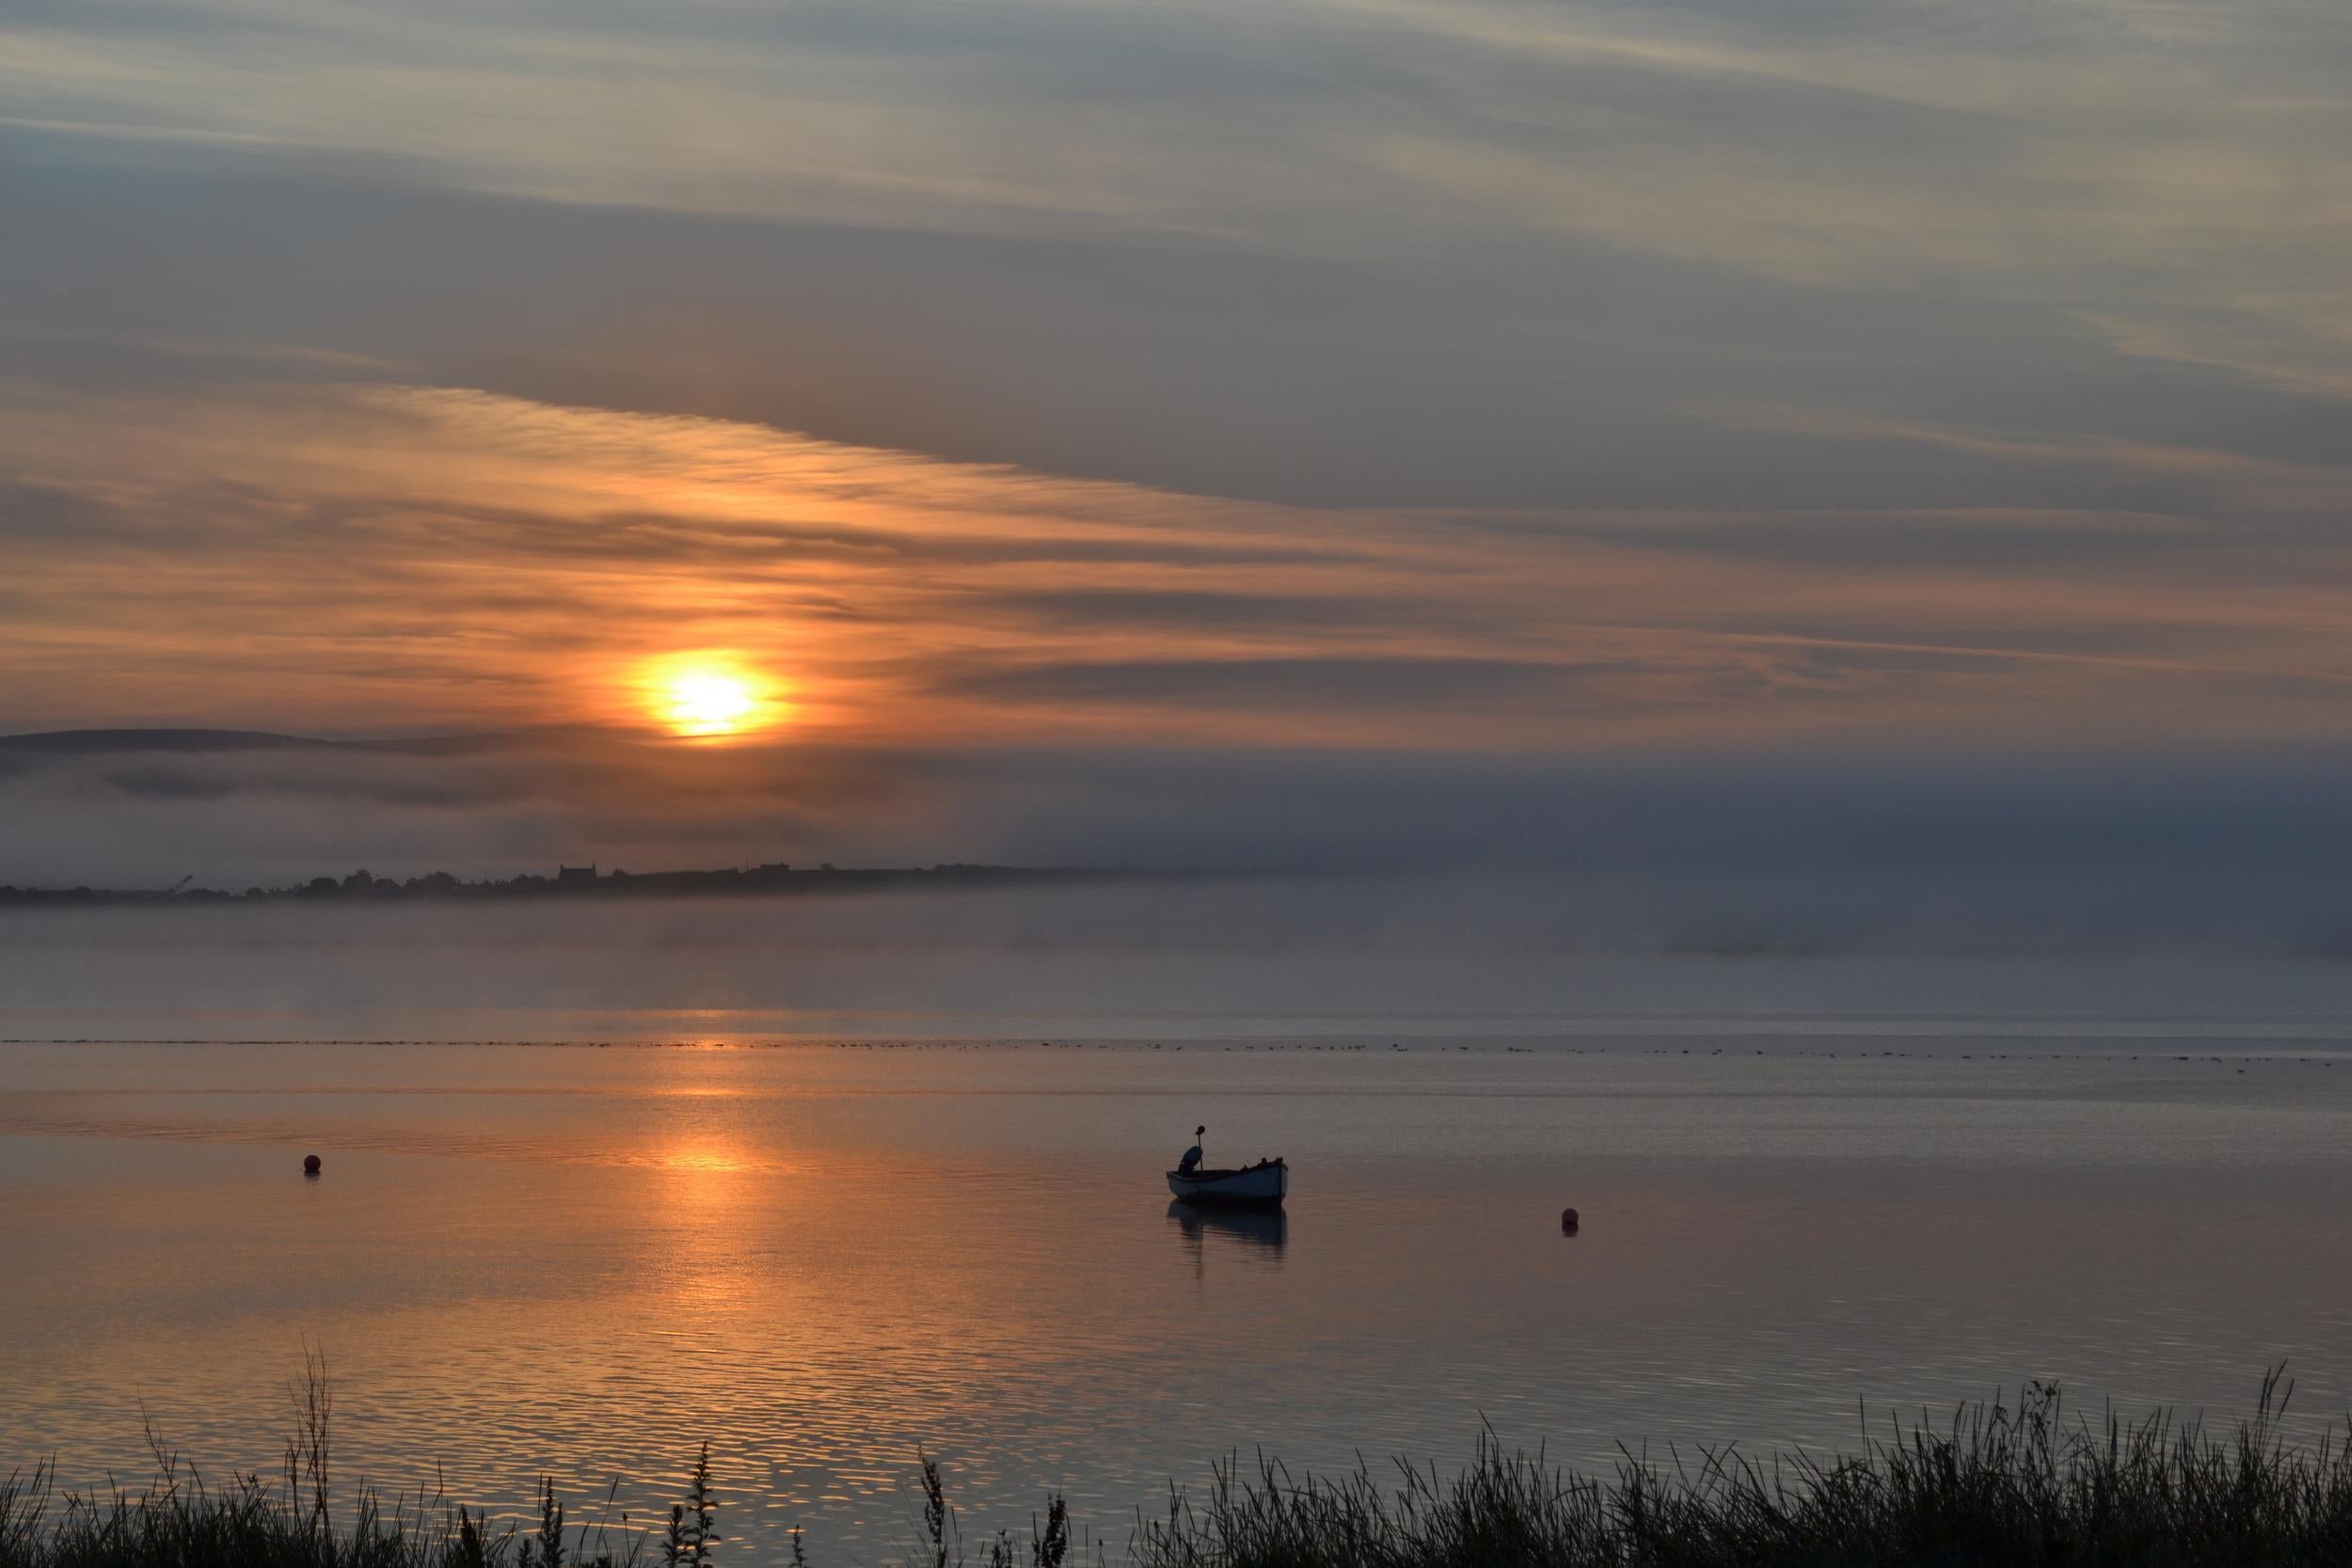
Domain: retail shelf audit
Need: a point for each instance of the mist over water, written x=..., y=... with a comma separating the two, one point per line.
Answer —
x=824, y=1180
x=1953, y=848
x=1730, y=616
x=1360, y=955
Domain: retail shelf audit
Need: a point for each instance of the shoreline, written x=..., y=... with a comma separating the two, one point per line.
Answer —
x=776, y=881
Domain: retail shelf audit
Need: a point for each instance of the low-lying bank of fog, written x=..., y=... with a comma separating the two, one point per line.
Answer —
x=1357, y=955
x=1382, y=888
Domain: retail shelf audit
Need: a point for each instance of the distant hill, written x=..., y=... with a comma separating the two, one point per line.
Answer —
x=64, y=743
x=83, y=742
x=588, y=881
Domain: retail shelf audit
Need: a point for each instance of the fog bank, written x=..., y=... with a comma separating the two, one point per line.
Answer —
x=1356, y=956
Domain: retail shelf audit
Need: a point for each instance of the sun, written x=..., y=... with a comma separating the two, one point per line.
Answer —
x=704, y=701
x=708, y=702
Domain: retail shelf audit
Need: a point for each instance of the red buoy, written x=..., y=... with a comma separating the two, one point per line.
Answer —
x=1568, y=1219
x=310, y=1165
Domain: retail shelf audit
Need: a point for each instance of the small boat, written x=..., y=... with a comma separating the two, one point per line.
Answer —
x=1263, y=1185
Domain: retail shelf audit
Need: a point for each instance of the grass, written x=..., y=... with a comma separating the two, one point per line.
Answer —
x=181, y=1519
x=2009, y=1483
x=1999, y=1485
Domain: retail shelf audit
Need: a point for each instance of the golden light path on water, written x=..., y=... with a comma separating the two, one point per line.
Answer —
x=587, y=1260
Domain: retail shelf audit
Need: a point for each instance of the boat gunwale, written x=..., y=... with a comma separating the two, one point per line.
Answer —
x=1263, y=1185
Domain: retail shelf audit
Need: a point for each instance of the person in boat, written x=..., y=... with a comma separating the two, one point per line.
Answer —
x=1191, y=1162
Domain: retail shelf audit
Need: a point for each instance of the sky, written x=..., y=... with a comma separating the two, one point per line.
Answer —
x=1331, y=432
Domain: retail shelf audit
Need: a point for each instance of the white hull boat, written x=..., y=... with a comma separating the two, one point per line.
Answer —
x=1263, y=1185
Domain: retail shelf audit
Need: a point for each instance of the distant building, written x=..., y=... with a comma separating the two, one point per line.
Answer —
x=576, y=872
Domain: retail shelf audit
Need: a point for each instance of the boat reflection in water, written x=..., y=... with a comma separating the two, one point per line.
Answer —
x=1256, y=1231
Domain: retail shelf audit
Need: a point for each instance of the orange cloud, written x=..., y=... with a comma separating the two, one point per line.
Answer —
x=375, y=558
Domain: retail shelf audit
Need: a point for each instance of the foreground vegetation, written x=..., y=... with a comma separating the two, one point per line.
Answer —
x=2000, y=1483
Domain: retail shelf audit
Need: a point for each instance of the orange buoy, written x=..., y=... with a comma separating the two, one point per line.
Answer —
x=310, y=1165
x=1568, y=1219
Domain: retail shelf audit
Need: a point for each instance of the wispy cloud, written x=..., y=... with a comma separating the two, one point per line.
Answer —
x=362, y=558
x=1825, y=457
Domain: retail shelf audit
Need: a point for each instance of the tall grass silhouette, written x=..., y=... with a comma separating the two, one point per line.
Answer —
x=2022, y=1482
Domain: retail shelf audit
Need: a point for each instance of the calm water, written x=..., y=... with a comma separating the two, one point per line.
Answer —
x=586, y=1256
